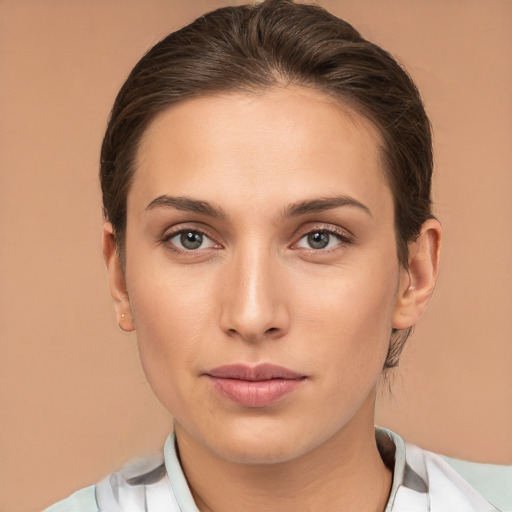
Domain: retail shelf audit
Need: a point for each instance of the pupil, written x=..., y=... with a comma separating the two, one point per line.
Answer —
x=191, y=240
x=318, y=240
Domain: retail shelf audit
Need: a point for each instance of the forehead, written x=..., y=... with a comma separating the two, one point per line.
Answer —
x=278, y=144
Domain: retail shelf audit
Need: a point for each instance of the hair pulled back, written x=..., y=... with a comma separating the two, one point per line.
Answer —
x=252, y=48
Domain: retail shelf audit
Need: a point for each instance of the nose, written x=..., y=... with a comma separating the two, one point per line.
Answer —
x=253, y=298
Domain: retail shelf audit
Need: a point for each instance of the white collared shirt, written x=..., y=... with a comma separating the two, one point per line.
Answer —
x=422, y=482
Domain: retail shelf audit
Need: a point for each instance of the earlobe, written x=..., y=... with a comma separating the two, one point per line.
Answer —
x=418, y=281
x=116, y=279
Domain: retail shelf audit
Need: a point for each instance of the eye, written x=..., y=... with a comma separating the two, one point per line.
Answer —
x=189, y=240
x=321, y=239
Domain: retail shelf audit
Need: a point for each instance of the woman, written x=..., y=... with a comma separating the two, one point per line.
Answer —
x=266, y=182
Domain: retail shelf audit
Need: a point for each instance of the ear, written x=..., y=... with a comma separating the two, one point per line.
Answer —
x=418, y=281
x=116, y=279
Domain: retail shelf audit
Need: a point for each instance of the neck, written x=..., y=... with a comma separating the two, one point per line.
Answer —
x=345, y=473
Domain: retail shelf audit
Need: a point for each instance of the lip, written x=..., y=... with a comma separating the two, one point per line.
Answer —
x=254, y=386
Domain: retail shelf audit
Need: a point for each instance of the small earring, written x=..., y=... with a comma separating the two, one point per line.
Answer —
x=124, y=314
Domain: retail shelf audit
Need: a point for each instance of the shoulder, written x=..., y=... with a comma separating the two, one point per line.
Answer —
x=424, y=482
x=155, y=483
x=428, y=474
x=493, y=480
x=140, y=483
x=81, y=501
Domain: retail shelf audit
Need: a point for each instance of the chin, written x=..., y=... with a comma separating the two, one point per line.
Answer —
x=259, y=441
x=258, y=451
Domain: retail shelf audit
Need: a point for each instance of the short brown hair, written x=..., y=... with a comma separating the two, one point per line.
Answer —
x=256, y=47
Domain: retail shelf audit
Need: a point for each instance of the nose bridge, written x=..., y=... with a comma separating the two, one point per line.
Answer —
x=253, y=305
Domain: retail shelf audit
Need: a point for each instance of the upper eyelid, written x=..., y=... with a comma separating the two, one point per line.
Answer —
x=171, y=232
x=343, y=233
x=328, y=228
x=341, y=238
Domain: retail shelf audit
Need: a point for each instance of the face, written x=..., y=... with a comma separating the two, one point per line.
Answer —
x=261, y=270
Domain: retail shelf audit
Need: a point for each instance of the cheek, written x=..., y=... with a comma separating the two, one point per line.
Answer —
x=171, y=313
x=169, y=324
x=350, y=319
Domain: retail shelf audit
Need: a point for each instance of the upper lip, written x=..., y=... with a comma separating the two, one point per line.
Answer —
x=265, y=371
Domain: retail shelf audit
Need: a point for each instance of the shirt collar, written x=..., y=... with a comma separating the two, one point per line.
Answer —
x=391, y=448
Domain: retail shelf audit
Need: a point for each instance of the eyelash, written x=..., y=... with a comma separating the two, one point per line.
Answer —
x=343, y=237
x=166, y=240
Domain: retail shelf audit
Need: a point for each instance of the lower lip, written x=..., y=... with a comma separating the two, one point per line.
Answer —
x=260, y=393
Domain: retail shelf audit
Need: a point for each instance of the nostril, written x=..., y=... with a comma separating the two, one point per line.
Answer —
x=269, y=333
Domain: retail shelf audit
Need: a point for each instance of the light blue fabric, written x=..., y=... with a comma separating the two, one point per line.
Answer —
x=83, y=500
x=491, y=480
x=422, y=481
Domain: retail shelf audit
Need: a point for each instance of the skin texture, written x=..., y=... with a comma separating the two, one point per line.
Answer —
x=256, y=291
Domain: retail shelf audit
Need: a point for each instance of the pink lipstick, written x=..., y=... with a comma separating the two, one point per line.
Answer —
x=257, y=386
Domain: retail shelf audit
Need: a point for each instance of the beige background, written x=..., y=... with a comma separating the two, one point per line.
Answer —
x=74, y=402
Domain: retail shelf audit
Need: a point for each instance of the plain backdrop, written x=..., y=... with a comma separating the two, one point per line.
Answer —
x=74, y=402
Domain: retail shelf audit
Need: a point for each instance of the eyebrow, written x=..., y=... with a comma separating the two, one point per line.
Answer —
x=188, y=204
x=323, y=204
